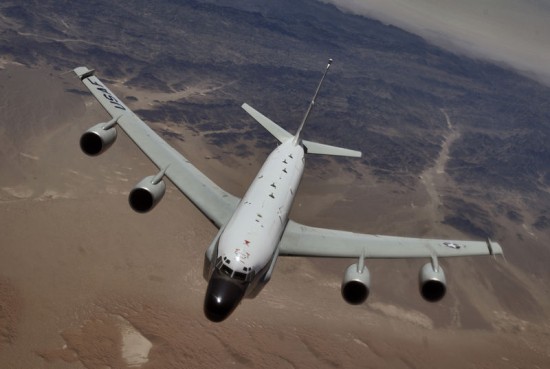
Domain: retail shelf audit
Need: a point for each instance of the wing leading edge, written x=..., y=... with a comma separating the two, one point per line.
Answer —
x=301, y=240
x=215, y=203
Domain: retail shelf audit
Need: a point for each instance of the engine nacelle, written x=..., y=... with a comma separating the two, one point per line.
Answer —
x=98, y=139
x=146, y=194
x=432, y=283
x=356, y=285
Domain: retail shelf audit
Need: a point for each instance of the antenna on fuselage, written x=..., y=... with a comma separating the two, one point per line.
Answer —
x=297, y=136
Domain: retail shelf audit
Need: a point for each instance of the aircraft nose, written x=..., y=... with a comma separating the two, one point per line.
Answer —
x=222, y=297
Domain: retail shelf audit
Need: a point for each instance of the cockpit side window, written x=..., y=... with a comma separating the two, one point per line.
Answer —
x=250, y=276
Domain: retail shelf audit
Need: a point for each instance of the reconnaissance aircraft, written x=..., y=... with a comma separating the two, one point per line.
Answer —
x=255, y=230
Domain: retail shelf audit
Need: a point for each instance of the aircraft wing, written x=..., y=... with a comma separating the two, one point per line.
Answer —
x=215, y=203
x=301, y=240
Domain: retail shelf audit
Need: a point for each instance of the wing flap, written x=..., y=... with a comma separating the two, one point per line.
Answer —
x=215, y=203
x=301, y=240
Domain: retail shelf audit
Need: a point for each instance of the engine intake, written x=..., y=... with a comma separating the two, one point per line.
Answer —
x=98, y=139
x=356, y=284
x=432, y=283
x=146, y=194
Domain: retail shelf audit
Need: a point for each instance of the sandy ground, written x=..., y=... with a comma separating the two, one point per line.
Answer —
x=87, y=283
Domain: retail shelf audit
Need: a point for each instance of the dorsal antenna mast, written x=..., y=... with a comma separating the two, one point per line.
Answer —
x=297, y=136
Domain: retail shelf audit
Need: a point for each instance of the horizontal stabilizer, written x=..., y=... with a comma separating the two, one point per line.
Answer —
x=317, y=148
x=280, y=133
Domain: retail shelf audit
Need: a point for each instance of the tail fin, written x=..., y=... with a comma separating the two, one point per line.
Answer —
x=283, y=135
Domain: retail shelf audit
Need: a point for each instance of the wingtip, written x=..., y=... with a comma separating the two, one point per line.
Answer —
x=494, y=248
x=83, y=72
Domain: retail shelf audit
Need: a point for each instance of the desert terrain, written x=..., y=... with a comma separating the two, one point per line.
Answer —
x=87, y=283
x=453, y=148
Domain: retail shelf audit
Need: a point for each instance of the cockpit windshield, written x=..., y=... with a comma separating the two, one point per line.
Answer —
x=239, y=276
x=223, y=266
x=225, y=269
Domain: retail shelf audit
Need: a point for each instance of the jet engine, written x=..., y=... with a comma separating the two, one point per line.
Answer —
x=147, y=194
x=98, y=139
x=356, y=284
x=432, y=282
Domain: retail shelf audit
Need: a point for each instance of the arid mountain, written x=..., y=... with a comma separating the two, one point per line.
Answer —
x=453, y=147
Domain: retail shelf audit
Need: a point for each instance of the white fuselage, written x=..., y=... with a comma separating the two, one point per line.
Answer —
x=250, y=238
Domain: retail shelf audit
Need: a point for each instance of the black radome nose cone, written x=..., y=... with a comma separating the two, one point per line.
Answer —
x=222, y=297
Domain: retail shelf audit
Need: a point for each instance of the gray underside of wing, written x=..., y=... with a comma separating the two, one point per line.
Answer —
x=301, y=240
x=215, y=203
